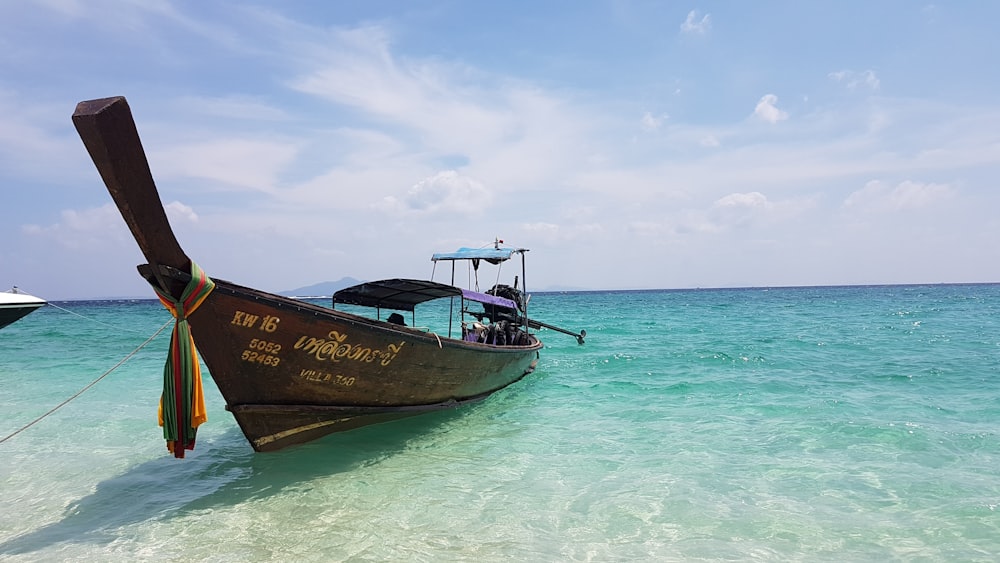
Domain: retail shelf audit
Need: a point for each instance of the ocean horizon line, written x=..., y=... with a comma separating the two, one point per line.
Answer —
x=558, y=290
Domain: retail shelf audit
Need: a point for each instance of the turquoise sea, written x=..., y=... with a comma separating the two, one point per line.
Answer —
x=783, y=424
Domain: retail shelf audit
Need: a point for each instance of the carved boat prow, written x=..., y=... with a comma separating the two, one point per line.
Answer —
x=108, y=131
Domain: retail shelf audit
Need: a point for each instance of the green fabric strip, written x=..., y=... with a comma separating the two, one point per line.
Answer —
x=181, y=374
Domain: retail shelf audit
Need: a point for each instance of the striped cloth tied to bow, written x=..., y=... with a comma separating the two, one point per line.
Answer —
x=182, y=404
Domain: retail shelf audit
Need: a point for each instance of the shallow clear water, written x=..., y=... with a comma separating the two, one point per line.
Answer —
x=809, y=424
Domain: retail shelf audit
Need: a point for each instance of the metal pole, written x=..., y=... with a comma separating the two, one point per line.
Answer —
x=524, y=290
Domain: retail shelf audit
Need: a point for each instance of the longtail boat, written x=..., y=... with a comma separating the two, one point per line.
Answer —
x=292, y=371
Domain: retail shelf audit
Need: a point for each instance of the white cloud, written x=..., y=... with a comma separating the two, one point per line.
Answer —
x=732, y=211
x=500, y=124
x=359, y=71
x=738, y=209
x=747, y=200
x=561, y=233
x=767, y=111
x=710, y=141
x=856, y=80
x=876, y=196
x=231, y=163
x=652, y=122
x=447, y=191
x=693, y=25
x=83, y=229
x=235, y=106
x=177, y=211
x=547, y=228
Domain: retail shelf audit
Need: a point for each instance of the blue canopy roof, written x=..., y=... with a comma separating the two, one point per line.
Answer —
x=491, y=254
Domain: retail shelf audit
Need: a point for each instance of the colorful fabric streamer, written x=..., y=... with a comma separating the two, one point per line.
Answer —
x=182, y=404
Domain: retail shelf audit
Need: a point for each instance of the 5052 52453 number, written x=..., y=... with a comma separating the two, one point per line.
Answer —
x=265, y=359
x=264, y=346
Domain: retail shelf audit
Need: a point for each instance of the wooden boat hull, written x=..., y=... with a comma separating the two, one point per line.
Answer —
x=291, y=371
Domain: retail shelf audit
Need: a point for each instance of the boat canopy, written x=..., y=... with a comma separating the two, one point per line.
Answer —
x=401, y=294
x=488, y=299
x=492, y=255
x=406, y=294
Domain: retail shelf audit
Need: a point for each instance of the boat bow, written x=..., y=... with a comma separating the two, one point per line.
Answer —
x=110, y=135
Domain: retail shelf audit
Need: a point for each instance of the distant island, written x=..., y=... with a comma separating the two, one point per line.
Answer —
x=322, y=289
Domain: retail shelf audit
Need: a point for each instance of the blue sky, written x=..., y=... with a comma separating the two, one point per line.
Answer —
x=628, y=144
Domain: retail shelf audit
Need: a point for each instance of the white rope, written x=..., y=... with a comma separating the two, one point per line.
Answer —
x=438, y=339
x=89, y=385
x=90, y=319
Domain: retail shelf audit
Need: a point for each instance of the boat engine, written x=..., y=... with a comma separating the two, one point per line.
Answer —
x=497, y=313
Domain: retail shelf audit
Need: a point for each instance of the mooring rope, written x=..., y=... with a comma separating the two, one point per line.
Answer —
x=89, y=385
x=50, y=304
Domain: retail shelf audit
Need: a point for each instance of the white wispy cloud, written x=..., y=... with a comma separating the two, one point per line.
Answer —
x=751, y=200
x=767, y=110
x=177, y=211
x=86, y=228
x=447, y=191
x=227, y=163
x=694, y=25
x=856, y=80
x=878, y=196
x=234, y=106
x=650, y=122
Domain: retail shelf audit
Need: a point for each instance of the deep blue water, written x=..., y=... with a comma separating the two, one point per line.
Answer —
x=783, y=424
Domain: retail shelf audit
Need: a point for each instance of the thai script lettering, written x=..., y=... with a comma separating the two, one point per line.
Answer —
x=335, y=348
